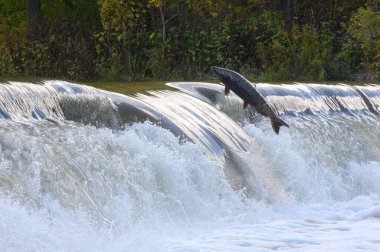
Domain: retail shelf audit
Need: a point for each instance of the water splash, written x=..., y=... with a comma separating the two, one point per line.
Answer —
x=103, y=179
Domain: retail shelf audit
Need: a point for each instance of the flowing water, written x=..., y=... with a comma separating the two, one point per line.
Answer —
x=84, y=169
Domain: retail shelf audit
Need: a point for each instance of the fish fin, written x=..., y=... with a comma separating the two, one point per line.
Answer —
x=277, y=123
x=226, y=91
x=245, y=105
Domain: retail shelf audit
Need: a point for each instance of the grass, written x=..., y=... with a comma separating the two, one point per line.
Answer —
x=133, y=87
x=128, y=87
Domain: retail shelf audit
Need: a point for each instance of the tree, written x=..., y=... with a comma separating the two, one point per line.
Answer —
x=165, y=19
x=34, y=10
x=365, y=29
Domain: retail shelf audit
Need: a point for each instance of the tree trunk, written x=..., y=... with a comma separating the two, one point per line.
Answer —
x=182, y=29
x=162, y=12
x=34, y=10
x=289, y=16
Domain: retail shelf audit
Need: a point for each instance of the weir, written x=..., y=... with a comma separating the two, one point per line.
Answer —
x=114, y=169
x=185, y=113
x=297, y=98
x=192, y=113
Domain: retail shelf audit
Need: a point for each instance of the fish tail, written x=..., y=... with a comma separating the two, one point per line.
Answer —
x=277, y=123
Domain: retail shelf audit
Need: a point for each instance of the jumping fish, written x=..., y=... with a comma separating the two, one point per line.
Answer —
x=248, y=93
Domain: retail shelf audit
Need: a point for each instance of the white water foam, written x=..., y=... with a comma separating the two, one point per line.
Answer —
x=69, y=187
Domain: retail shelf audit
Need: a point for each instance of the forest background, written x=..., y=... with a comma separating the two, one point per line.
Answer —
x=124, y=40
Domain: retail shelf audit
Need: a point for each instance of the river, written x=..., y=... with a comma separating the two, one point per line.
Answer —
x=182, y=167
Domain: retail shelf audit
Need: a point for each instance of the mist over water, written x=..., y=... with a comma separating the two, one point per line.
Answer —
x=190, y=179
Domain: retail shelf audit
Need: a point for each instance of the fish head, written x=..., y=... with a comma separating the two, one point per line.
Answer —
x=228, y=77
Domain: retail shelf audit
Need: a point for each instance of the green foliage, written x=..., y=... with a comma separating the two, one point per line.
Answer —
x=365, y=29
x=144, y=39
x=295, y=55
x=124, y=45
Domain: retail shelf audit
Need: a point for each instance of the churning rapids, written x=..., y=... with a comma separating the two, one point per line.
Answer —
x=84, y=169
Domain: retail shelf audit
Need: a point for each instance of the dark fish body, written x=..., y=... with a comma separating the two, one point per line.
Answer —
x=248, y=93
